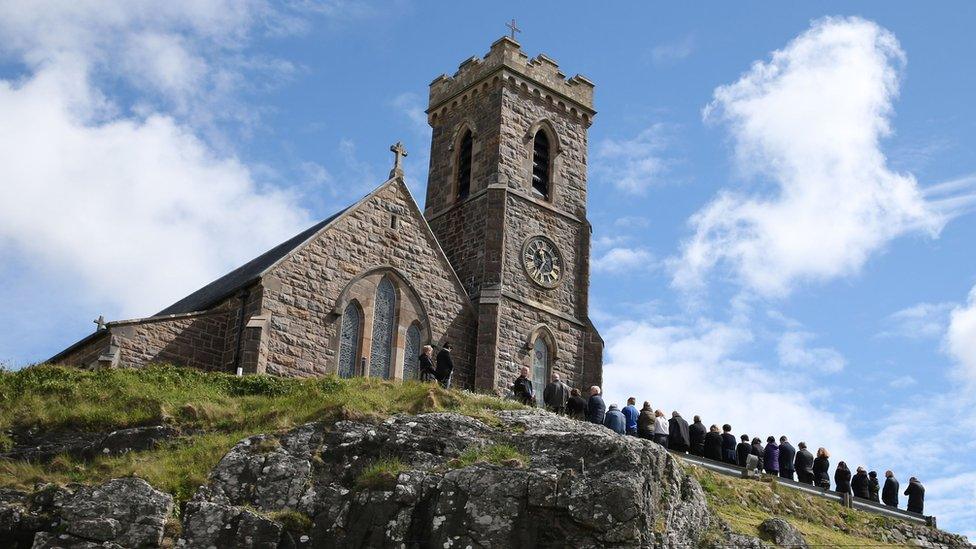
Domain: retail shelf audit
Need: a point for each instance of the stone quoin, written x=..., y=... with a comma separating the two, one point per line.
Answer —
x=497, y=263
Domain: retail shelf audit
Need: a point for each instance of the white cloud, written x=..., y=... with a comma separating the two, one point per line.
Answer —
x=634, y=165
x=693, y=367
x=920, y=321
x=793, y=351
x=672, y=52
x=807, y=124
x=108, y=178
x=902, y=382
x=619, y=260
x=960, y=337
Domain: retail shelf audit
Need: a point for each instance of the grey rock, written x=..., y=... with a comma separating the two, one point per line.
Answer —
x=782, y=533
x=43, y=446
x=569, y=495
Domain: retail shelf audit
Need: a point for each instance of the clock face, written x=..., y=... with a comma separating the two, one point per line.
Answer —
x=542, y=261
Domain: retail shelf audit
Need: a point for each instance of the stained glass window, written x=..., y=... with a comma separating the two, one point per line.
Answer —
x=540, y=368
x=352, y=320
x=411, y=358
x=383, y=328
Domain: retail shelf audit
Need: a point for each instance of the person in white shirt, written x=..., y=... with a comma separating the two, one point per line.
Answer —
x=660, y=428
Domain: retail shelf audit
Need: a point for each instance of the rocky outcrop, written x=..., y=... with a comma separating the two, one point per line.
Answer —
x=584, y=486
x=522, y=478
x=36, y=445
x=120, y=513
x=782, y=533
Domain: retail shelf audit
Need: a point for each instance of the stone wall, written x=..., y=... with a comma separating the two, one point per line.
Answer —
x=516, y=323
x=302, y=294
x=86, y=355
x=197, y=340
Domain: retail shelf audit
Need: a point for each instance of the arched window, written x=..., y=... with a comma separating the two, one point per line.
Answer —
x=349, y=332
x=384, y=308
x=540, y=164
x=540, y=367
x=411, y=355
x=464, y=166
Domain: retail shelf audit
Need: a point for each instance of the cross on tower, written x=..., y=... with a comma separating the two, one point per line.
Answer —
x=513, y=28
x=100, y=321
x=399, y=151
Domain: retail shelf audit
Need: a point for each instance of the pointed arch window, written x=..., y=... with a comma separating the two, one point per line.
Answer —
x=352, y=321
x=540, y=367
x=384, y=323
x=541, y=179
x=411, y=355
x=464, y=165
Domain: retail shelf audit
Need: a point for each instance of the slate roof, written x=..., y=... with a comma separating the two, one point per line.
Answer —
x=243, y=276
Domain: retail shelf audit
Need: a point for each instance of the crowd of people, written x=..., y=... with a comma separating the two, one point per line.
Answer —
x=778, y=457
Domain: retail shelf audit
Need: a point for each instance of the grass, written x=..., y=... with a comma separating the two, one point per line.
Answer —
x=216, y=410
x=381, y=474
x=745, y=504
x=499, y=454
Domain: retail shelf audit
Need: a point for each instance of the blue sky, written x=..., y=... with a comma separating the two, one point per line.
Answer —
x=782, y=194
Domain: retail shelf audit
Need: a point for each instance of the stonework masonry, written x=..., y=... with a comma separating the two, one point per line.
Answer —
x=456, y=269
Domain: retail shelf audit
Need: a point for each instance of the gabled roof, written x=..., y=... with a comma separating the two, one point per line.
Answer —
x=243, y=276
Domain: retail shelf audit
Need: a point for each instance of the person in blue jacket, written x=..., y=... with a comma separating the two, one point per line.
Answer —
x=630, y=412
x=615, y=421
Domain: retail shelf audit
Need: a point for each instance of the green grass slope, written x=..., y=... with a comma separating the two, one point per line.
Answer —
x=213, y=410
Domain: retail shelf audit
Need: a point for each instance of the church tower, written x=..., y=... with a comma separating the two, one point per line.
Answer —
x=506, y=197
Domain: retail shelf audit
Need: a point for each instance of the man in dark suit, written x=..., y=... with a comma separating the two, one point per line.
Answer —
x=803, y=464
x=678, y=436
x=916, y=495
x=728, y=445
x=889, y=494
x=787, y=453
x=445, y=366
x=696, y=433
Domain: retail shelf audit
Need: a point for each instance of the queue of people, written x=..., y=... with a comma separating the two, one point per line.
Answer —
x=778, y=457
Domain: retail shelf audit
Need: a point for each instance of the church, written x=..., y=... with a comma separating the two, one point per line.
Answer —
x=497, y=262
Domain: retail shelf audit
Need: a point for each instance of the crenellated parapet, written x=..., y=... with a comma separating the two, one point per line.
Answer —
x=539, y=75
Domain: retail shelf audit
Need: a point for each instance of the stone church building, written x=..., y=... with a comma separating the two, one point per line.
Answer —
x=497, y=263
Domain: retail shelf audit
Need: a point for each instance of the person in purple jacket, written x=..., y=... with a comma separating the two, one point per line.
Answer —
x=771, y=456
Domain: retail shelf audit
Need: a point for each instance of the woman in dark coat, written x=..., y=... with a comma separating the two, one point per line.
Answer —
x=842, y=479
x=874, y=487
x=757, y=450
x=821, y=468
x=645, y=422
x=771, y=456
x=742, y=452
x=427, y=370
x=859, y=484
x=576, y=405
x=713, y=443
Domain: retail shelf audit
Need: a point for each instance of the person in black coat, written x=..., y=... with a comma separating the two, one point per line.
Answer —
x=576, y=405
x=889, y=494
x=522, y=388
x=758, y=451
x=427, y=370
x=786, y=456
x=842, y=479
x=696, y=434
x=713, y=443
x=803, y=464
x=445, y=366
x=874, y=487
x=678, y=436
x=916, y=495
x=728, y=445
x=859, y=484
x=596, y=409
x=821, y=468
x=742, y=451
